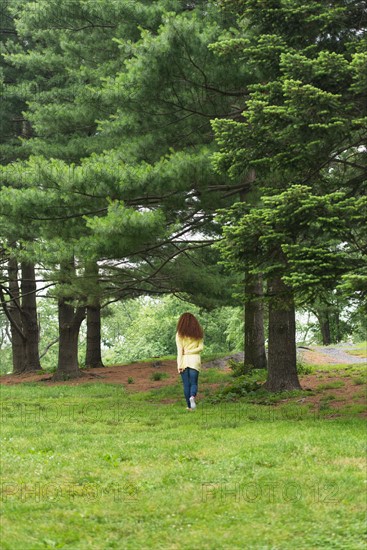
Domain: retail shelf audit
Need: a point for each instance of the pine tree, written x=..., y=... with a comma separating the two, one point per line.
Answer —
x=303, y=129
x=73, y=201
x=171, y=87
x=18, y=289
x=72, y=49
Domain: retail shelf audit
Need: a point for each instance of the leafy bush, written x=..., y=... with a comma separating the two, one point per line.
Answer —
x=238, y=368
x=158, y=376
x=302, y=368
x=242, y=386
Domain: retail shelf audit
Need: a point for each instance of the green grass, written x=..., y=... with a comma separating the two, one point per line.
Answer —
x=358, y=373
x=91, y=466
x=352, y=409
x=337, y=367
x=331, y=385
x=215, y=376
x=358, y=381
x=212, y=356
x=356, y=370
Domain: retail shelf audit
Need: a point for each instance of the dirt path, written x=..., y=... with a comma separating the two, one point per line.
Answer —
x=340, y=356
x=325, y=355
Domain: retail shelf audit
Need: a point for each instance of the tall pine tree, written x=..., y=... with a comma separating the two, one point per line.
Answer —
x=305, y=115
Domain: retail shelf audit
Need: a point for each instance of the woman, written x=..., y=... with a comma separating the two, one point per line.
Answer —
x=189, y=341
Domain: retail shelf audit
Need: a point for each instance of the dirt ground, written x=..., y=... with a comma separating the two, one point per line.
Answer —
x=342, y=397
x=347, y=395
x=118, y=374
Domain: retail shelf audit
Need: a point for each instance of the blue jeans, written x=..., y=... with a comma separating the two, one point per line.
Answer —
x=190, y=383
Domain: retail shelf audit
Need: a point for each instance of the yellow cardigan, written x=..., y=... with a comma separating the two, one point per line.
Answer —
x=188, y=352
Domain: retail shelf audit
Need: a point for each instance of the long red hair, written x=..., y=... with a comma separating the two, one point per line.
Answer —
x=188, y=325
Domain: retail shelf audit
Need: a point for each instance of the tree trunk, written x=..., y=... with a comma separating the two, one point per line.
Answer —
x=254, y=315
x=282, y=355
x=18, y=342
x=29, y=317
x=70, y=319
x=93, y=357
x=325, y=329
x=254, y=324
x=323, y=318
x=338, y=335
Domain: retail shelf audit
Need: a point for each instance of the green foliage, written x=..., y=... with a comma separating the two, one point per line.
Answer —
x=112, y=158
x=107, y=181
x=146, y=327
x=155, y=376
x=302, y=135
x=6, y=365
x=303, y=368
x=238, y=368
x=135, y=330
x=244, y=385
x=297, y=214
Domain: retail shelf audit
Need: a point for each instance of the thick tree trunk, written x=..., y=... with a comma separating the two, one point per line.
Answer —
x=93, y=357
x=282, y=355
x=255, y=355
x=29, y=316
x=338, y=333
x=323, y=318
x=18, y=342
x=70, y=319
x=325, y=330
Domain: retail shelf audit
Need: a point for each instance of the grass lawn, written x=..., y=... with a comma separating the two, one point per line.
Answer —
x=93, y=466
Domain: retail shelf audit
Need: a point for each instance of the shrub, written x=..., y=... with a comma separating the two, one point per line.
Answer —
x=239, y=368
x=302, y=368
x=158, y=376
x=241, y=387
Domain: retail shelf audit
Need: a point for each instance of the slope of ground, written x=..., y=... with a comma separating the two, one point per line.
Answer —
x=336, y=382
x=324, y=355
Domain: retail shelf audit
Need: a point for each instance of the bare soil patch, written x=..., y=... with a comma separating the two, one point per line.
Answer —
x=347, y=395
x=119, y=374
